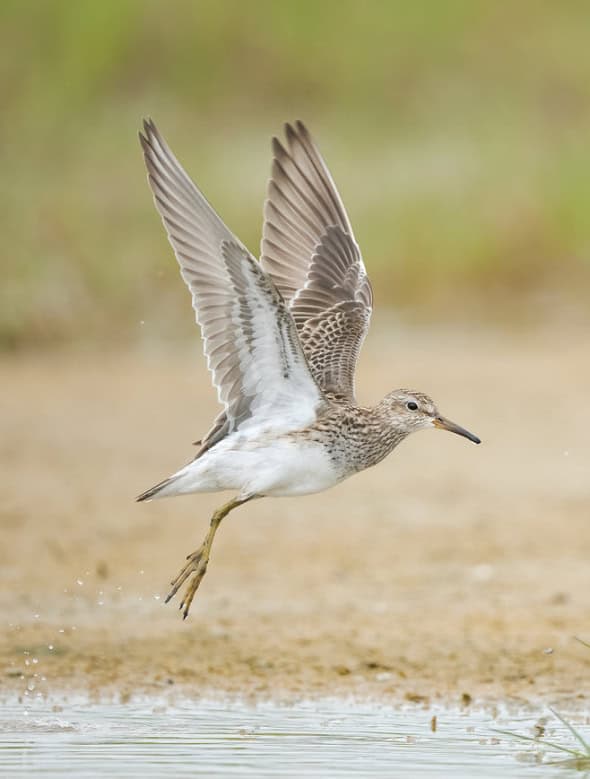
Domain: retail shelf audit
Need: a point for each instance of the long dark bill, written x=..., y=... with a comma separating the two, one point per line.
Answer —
x=446, y=424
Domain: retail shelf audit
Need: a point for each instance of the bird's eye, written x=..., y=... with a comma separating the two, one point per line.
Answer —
x=411, y=405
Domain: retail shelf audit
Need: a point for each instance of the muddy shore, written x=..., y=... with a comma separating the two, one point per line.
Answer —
x=448, y=572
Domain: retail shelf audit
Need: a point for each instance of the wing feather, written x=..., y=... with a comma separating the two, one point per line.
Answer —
x=309, y=250
x=250, y=338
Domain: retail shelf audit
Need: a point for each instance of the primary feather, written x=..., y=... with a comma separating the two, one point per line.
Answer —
x=250, y=338
x=309, y=250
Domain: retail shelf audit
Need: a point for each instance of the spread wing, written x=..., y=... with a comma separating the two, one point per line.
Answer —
x=250, y=338
x=309, y=250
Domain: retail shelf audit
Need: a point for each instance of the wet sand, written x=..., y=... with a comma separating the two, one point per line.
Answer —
x=449, y=572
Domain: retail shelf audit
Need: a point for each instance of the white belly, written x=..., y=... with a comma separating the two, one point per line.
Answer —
x=281, y=468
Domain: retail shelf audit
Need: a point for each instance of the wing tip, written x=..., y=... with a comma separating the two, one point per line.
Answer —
x=296, y=132
x=147, y=133
x=302, y=130
x=150, y=135
x=278, y=150
x=149, y=125
x=290, y=133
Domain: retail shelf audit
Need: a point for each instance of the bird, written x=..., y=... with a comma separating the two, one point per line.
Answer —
x=281, y=335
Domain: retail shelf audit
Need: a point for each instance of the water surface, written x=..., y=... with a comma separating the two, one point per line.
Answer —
x=329, y=738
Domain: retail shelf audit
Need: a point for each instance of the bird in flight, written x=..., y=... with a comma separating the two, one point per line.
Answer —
x=281, y=336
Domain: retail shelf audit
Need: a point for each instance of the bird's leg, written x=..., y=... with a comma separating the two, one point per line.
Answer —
x=197, y=561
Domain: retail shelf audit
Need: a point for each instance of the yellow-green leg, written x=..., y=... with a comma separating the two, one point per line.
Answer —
x=198, y=561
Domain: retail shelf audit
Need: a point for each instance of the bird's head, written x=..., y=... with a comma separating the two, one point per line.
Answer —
x=411, y=411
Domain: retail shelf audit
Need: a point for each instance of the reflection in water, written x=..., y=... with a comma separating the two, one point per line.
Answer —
x=327, y=738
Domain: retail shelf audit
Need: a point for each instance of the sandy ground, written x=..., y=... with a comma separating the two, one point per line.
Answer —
x=449, y=572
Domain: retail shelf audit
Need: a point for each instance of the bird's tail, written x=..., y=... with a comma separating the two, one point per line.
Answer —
x=159, y=490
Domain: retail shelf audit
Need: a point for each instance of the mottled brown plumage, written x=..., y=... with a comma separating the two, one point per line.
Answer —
x=282, y=337
x=309, y=250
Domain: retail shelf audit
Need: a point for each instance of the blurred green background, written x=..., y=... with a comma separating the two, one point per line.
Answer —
x=457, y=131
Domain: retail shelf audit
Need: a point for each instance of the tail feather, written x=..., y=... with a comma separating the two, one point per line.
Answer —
x=153, y=491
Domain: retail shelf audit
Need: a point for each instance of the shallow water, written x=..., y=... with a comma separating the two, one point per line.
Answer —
x=329, y=738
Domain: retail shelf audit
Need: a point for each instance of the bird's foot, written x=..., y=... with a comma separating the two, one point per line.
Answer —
x=196, y=566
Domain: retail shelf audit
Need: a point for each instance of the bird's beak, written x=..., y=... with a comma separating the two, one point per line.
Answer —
x=446, y=424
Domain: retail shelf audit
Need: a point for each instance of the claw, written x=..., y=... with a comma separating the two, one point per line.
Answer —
x=195, y=567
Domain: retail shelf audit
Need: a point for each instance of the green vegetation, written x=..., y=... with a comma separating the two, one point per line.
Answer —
x=578, y=758
x=457, y=132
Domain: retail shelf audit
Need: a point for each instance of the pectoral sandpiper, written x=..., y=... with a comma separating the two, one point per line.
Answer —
x=281, y=337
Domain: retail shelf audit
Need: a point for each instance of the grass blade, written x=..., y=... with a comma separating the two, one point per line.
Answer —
x=573, y=731
x=576, y=753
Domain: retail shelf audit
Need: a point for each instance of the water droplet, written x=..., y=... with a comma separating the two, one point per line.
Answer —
x=50, y=647
x=79, y=582
x=35, y=660
x=156, y=597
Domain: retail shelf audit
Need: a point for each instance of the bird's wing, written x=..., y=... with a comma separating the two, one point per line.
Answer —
x=309, y=250
x=250, y=339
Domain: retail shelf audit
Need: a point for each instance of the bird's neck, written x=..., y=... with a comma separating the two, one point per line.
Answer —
x=387, y=433
x=373, y=437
